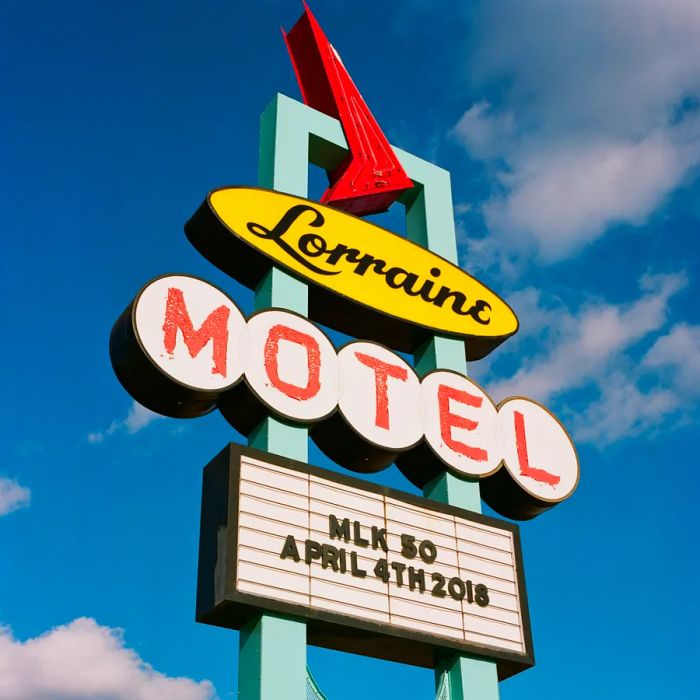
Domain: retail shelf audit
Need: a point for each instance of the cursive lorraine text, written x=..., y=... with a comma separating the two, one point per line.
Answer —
x=312, y=248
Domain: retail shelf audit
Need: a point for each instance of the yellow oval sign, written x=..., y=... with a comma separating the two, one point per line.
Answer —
x=366, y=281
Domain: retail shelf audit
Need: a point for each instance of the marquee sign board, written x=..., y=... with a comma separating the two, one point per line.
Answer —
x=365, y=281
x=372, y=570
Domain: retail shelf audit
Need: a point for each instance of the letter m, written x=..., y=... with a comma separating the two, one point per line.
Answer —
x=337, y=530
x=214, y=328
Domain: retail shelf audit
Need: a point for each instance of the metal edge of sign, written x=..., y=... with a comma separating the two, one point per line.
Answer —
x=152, y=387
x=325, y=304
x=220, y=604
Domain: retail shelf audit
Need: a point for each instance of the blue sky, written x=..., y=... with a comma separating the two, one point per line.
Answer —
x=572, y=131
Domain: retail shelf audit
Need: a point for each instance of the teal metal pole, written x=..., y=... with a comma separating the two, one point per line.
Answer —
x=430, y=223
x=272, y=662
x=272, y=651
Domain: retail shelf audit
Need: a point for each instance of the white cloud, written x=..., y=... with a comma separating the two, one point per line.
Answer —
x=672, y=364
x=623, y=410
x=482, y=129
x=593, y=118
x=594, y=347
x=137, y=419
x=582, y=345
x=678, y=354
x=566, y=197
x=85, y=660
x=13, y=496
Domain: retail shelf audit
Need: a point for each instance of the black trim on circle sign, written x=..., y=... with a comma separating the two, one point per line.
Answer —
x=144, y=380
x=510, y=497
x=159, y=391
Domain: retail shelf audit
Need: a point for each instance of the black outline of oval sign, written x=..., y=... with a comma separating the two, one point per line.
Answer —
x=497, y=339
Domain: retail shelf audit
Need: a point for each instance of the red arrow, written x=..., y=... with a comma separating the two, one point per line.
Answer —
x=371, y=177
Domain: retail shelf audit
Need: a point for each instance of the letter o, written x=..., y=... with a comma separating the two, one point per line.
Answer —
x=292, y=366
x=427, y=551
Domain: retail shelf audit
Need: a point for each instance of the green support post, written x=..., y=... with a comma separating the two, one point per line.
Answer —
x=272, y=648
x=272, y=661
x=430, y=223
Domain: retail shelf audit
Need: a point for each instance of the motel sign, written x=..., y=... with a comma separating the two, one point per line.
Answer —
x=292, y=554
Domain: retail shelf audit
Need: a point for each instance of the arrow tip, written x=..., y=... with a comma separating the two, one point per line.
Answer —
x=371, y=178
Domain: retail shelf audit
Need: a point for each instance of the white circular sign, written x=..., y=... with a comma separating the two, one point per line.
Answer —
x=537, y=451
x=192, y=331
x=460, y=423
x=182, y=346
x=292, y=367
x=379, y=394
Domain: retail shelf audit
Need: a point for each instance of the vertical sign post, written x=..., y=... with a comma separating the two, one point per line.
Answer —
x=273, y=647
x=272, y=652
x=430, y=223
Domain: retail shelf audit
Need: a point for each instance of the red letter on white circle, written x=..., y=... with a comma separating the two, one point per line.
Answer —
x=450, y=421
x=214, y=328
x=192, y=331
x=382, y=372
x=313, y=362
x=379, y=395
x=537, y=451
x=292, y=366
x=459, y=421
